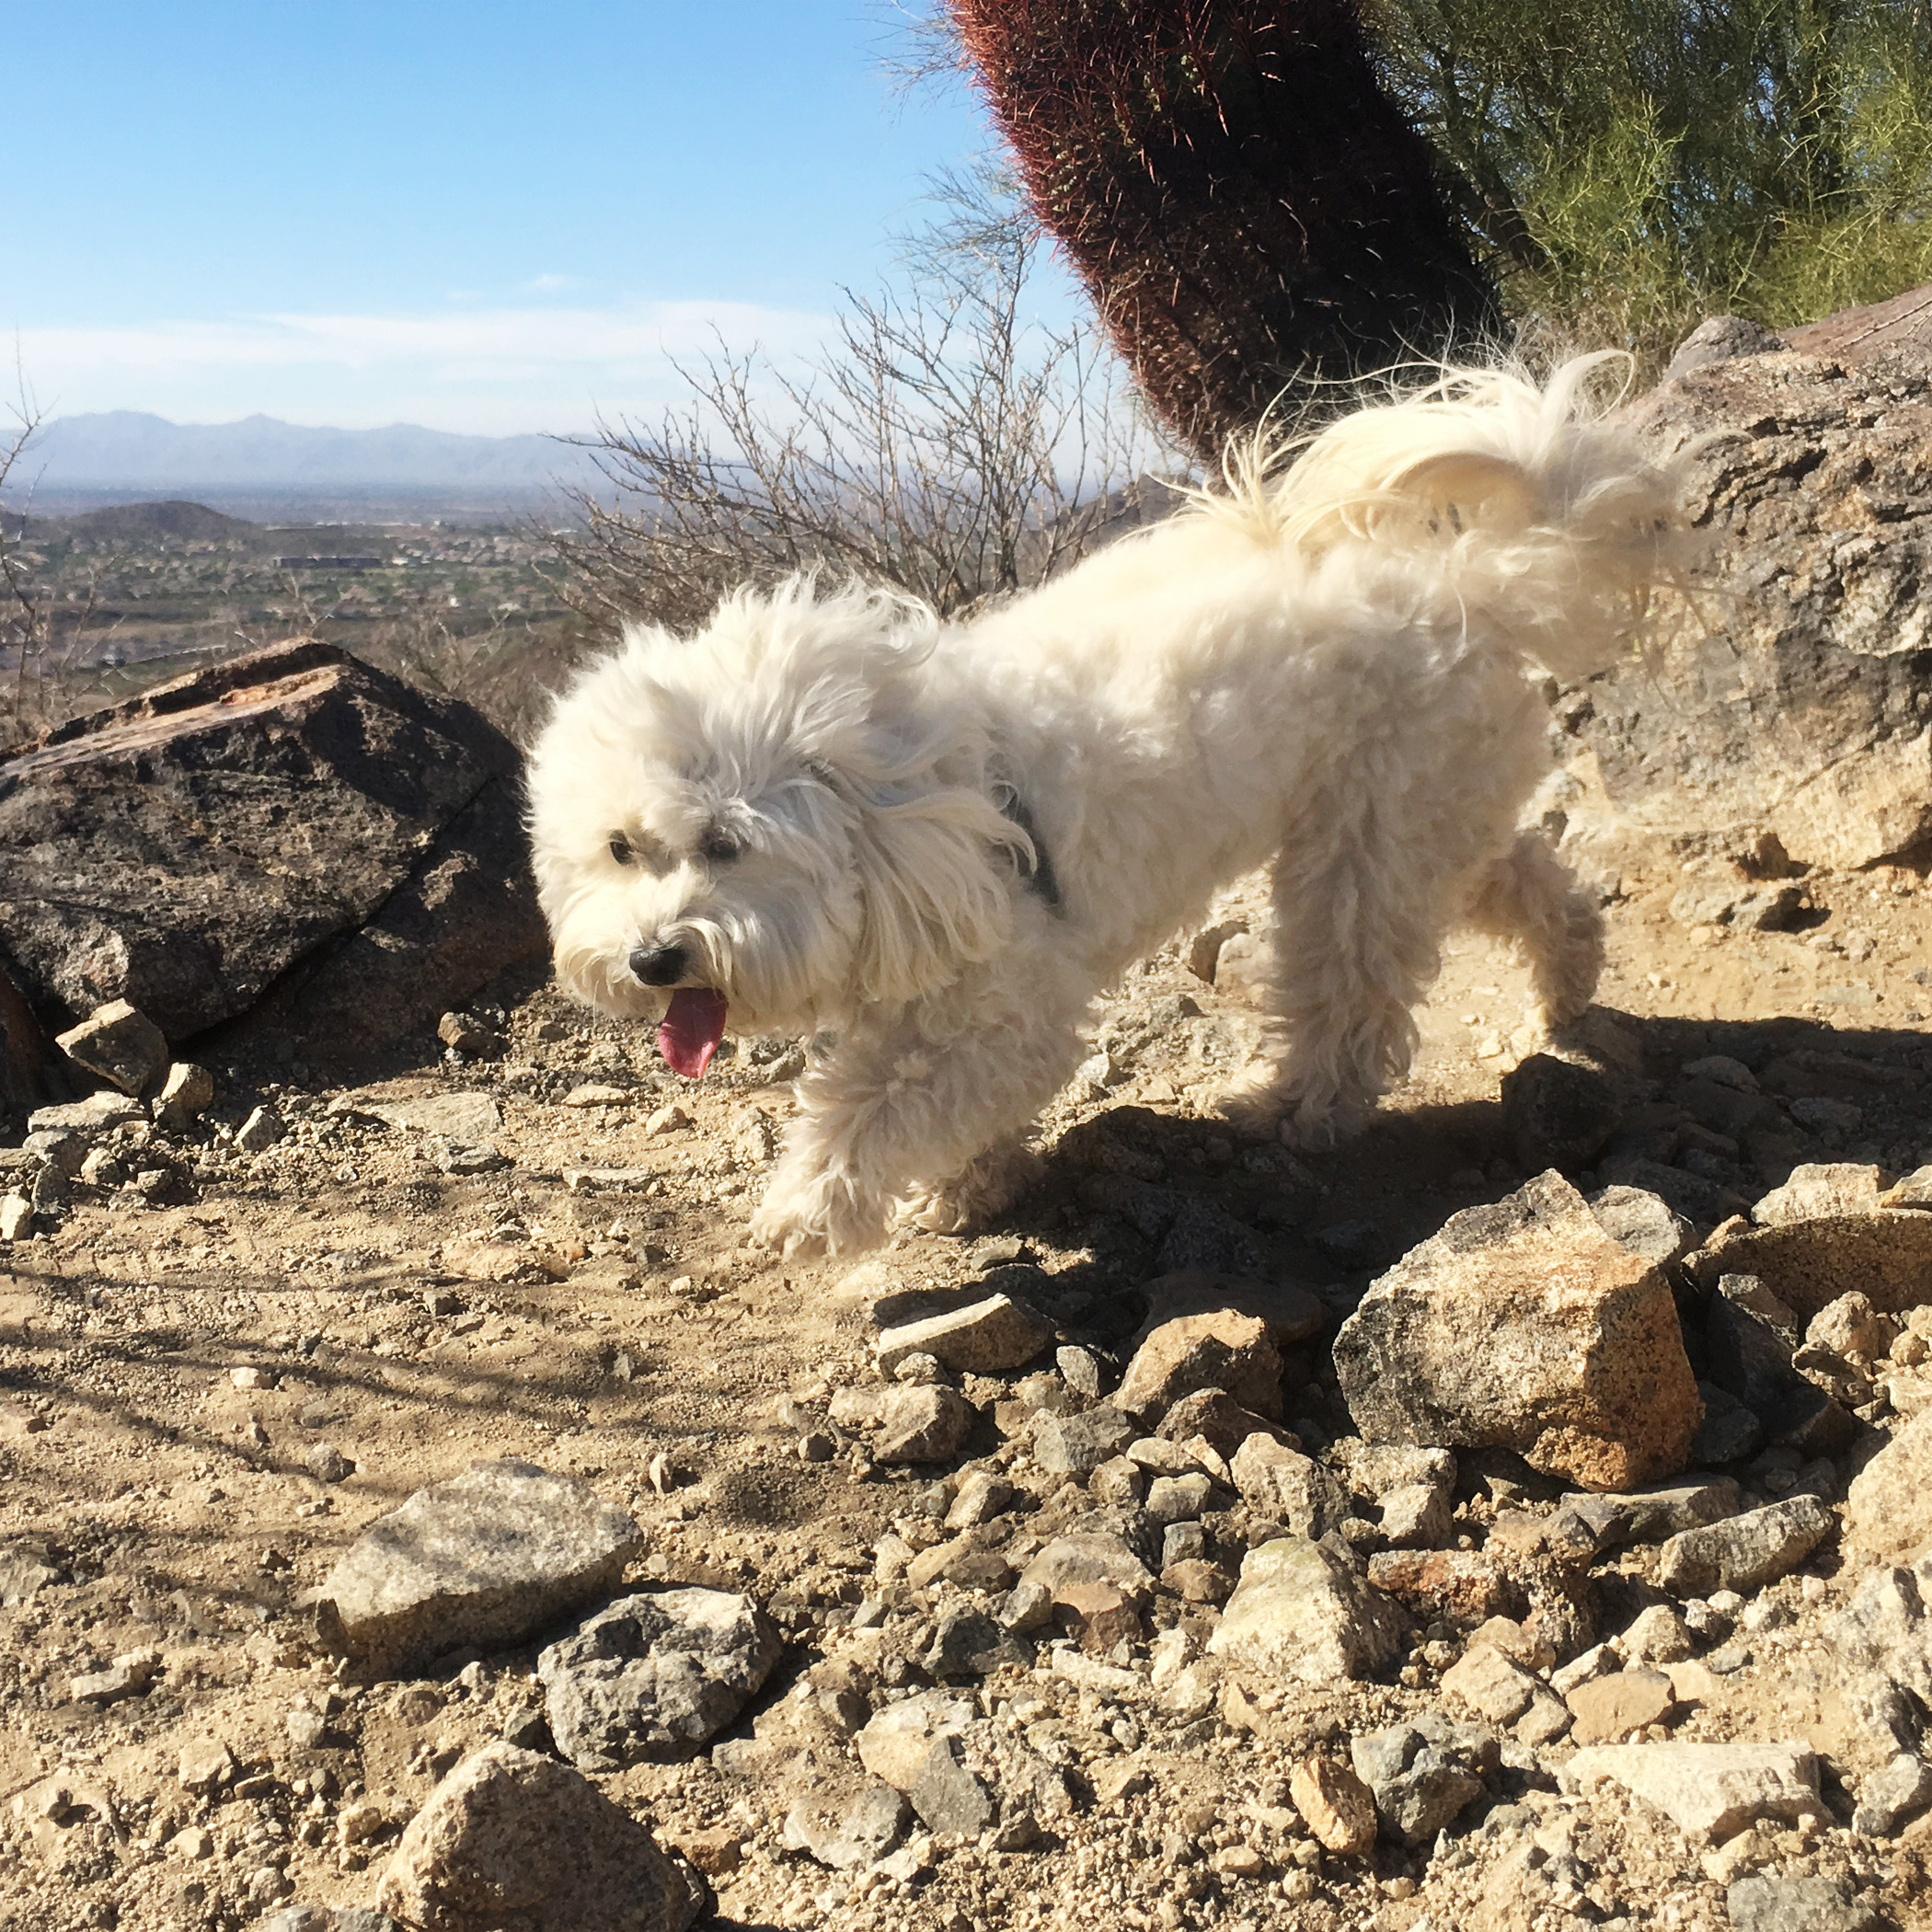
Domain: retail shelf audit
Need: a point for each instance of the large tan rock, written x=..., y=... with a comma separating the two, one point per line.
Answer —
x=511, y=1841
x=1888, y=1509
x=1524, y=1325
x=1220, y=1349
x=1885, y=1255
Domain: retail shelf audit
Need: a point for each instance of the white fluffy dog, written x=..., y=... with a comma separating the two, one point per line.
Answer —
x=932, y=844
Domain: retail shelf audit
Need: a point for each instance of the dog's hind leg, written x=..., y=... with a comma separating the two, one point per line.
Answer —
x=926, y=1110
x=1528, y=895
x=1360, y=914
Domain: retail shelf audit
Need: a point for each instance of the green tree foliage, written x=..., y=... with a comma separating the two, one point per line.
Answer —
x=1626, y=167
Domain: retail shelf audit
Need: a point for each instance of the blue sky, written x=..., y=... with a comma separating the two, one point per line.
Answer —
x=486, y=216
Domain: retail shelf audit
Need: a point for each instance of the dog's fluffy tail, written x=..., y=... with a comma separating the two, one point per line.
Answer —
x=1539, y=517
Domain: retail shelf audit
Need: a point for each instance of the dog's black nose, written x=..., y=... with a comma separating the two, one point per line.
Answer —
x=659, y=965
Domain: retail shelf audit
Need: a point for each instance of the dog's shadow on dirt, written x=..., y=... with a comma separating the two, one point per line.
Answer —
x=1712, y=1114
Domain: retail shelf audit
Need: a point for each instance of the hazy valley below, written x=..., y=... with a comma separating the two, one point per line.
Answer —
x=141, y=591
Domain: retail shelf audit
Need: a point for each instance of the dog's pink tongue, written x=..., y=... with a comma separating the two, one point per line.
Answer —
x=693, y=1025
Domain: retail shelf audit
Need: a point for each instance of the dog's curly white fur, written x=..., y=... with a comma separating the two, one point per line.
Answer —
x=932, y=844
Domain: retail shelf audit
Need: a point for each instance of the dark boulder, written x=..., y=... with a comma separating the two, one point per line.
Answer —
x=1558, y=1114
x=290, y=823
x=30, y=1068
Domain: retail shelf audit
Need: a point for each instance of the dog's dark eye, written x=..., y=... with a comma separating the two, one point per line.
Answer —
x=719, y=847
x=621, y=849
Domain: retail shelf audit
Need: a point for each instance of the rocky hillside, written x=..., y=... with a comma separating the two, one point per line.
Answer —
x=397, y=1473
x=422, y=1508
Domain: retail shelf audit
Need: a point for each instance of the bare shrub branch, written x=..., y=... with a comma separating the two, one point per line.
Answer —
x=949, y=444
x=427, y=649
x=39, y=646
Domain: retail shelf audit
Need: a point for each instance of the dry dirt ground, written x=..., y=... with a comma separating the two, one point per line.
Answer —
x=620, y=1329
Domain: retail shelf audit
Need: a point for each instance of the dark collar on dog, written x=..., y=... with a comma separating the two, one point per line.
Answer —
x=1041, y=876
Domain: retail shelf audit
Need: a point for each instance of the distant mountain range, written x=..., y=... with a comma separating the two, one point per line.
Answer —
x=261, y=463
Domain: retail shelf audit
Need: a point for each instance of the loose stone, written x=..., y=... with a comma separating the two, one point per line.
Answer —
x=489, y=1847
x=1071, y=1561
x=981, y=1495
x=1492, y=1685
x=1888, y=1509
x=986, y=1339
x=1219, y=1350
x=186, y=1094
x=1462, y=1586
x=1417, y=1517
x=1708, y=1791
x=947, y=1796
x=1424, y=1773
x=1582, y=1370
x=1336, y=1805
x=1745, y=1552
x=1285, y=1486
x=654, y=1673
x=1302, y=1611
x=487, y=1559
x=1899, y=1789
x=259, y=1132
x=861, y=1833
x=1766, y=1901
x=120, y=1043
x=923, y=1425
x=1610, y=1708
x=1077, y=1446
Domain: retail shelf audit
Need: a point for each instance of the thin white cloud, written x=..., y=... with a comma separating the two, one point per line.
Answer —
x=492, y=370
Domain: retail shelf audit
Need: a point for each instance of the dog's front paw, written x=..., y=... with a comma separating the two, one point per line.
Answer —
x=785, y=1232
x=994, y=1181
x=1316, y=1122
x=1567, y=976
x=1565, y=1003
x=805, y=1215
x=1253, y=1102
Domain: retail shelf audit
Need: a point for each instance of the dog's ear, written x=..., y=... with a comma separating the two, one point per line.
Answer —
x=930, y=850
x=935, y=895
